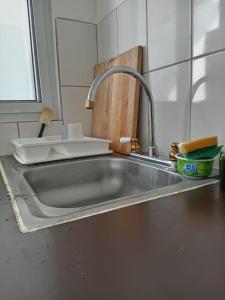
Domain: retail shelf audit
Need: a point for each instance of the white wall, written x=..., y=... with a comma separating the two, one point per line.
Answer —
x=188, y=90
x=84, y=10
x=104, y=7
x=76, y=54
x=187, y=78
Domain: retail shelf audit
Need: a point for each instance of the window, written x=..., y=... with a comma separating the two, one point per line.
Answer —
x=17, y=64
x=27, y=64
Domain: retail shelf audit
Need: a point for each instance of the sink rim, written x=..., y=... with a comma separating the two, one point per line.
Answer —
x=20, y=192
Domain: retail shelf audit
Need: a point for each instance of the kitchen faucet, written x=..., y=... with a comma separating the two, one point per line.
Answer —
x=90, y=102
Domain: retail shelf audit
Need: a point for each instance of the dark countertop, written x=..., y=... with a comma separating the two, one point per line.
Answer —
x=170, y=248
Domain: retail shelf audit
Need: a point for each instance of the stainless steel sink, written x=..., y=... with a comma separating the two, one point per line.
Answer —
x=49, y=194
x=94, y=181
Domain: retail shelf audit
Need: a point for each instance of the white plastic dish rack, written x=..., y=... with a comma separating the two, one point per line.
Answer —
x=52, y=148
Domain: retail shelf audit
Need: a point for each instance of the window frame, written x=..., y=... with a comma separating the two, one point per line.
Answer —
x=45, y=69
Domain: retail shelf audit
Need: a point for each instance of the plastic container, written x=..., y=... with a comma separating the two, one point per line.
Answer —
x=222, y=170
x=194, y=168
x=34, y=150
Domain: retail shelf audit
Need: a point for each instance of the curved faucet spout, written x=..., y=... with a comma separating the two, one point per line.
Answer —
x=127, y=70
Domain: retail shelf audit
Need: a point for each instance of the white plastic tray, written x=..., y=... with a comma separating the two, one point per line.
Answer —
x=36, y=150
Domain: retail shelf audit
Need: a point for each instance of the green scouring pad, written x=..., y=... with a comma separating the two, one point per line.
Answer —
x=205, y=153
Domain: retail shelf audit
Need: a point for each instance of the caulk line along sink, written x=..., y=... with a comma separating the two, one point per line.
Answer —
x=48, y=194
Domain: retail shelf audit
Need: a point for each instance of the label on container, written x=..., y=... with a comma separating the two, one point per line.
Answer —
x=190, y=168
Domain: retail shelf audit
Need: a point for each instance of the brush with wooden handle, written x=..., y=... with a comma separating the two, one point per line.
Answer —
x=45, y=119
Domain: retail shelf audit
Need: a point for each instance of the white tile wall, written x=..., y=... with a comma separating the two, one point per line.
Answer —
x=8, y=131
x=105, y=7
x=169, y=32
x=31, y=129
x=84, y=10
x=169, y=51
x=171, y=92
x=209, y=26
x=208, y=103
x=107, y=37
x=73, y=102
x=77, y=52
x=132, y=29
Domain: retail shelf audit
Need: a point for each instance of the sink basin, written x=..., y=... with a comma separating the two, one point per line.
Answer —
x=49, y=194
x=94, y=181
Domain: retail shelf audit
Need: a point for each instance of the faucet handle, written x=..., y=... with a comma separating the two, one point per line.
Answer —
x=174, y=151
x=125, y=140
x=135, y=147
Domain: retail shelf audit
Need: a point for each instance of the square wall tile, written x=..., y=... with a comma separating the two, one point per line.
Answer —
x=31, y=129
x=131, y=16
x=77, y=50
x=73, y=101
x=209, y=26
x=8, y=131
x=171, y=93
x=169, y=32
x=208, y=97
x=107, y=37
x=84, y=10
x=105, y=7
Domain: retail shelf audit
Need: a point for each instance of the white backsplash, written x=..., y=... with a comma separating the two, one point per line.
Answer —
x=73, y=101
x=170, y=62
x=209, y=26
x=131, y=17
x=208, y=102
x=104, y=7
x=171, y=92
x=77, y=47
x=107, y=37
x=8, y=131
x=83, y=10
x=165, y=30
x=31, y=129
x=169, y=32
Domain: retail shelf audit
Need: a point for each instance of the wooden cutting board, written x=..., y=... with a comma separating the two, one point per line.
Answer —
x=116, y=110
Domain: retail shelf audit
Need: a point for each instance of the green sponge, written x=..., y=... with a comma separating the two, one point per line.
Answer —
x=205, y=153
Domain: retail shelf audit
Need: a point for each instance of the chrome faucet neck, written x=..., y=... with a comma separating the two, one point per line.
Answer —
x=127, y=70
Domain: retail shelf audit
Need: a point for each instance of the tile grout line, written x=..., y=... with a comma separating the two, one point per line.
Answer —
x=58, y=68
x=147, y=40
x=148, y=67
x=18, y=129
x=111, y=11
x=186, y=60
x=21, y=122
x=191, y=67
x=74, y=20
x=117, y=31
x=167, y=66
x=96, y=37
x=75, y=86
x=208, y=54
x=117, y=28
x=108, y=15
